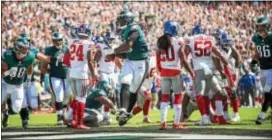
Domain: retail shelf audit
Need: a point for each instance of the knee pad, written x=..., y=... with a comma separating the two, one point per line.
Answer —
x=165, y=97
x=178, y=98
x=16, y=106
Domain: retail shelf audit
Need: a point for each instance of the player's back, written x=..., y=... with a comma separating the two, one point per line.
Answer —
x=201, y=47
x=78, y=58
x=105, y=64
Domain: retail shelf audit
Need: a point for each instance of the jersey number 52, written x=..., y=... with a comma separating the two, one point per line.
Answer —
x=76, y=51
x=202, y=48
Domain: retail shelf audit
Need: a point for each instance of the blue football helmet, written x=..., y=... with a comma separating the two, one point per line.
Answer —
x=98, y=39
x=171, y=28
x=226, y=41
x=198, y=29
x=83, y=30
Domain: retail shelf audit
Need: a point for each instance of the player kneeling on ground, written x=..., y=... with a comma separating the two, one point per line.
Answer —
x=94, y=104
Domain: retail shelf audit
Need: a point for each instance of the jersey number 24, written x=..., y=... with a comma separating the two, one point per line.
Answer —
x=76, y=51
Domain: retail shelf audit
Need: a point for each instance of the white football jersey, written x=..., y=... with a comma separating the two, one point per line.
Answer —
x=201, y=48
x=79, y=61
x=171, y=60
x=231, y=60
x=105, y=65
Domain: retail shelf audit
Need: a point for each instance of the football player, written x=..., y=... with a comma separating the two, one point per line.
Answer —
x=58, y=75
x=16, y=63
x=135, y=67
x=232, y=73
x=107, y=65
x=263, y=42
x=81, y=56
x=96, y=99
x=168, y=61
x=202, y=47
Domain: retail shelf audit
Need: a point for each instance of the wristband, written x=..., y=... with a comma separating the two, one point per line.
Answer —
x=28, y=77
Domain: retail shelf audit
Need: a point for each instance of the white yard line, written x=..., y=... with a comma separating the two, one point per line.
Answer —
x=157, y=135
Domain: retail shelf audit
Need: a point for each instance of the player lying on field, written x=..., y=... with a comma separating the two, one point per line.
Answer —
x=96, y=98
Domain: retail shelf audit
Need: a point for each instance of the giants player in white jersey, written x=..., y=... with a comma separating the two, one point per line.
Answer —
x=168, y=61
x=232, y=74
x=107, y=65
x=80, y=61
x=202, y=47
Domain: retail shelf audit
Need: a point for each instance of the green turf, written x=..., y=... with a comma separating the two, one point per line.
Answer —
x=248, y=116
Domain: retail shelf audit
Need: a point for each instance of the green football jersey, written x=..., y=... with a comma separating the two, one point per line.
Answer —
x=17, y=76
x=139, y=50
x=264, y=47
x=57, y=70
x=91, y=103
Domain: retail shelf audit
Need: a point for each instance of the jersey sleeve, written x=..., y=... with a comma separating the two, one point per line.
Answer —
x=35, y=51
x=6, y=56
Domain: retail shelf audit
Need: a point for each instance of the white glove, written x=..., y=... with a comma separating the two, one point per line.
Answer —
x=108, y=51
x=11, y=72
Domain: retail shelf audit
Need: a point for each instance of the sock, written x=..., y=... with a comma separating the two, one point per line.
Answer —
x=219, y=105
x=106, y=111
x=225, y=105
x=207, y=104
x=136, y=110
x=132, y=101
x=24, y=113
x=235, y=105
x=74, y=107
x=59, y=108
x=201, y=104
x=262, y=115
x=80, y=115
x=164, y=106
x=177, y=107
x=124, y=90
x=266, y=102
x=69, y=114
x=146, y=107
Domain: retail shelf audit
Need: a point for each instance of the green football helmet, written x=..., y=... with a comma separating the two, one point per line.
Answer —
x=21, y=47
x=262, y=24
x=26, y=36
x=125, y=17
x=106, y=87
x=57, y=39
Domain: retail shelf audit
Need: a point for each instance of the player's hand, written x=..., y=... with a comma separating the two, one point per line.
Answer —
x=113, y=110
x=11, y=72
x=108, y=51
x=193, y=75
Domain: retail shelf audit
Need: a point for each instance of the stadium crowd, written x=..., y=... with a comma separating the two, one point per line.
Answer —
x=41, y=19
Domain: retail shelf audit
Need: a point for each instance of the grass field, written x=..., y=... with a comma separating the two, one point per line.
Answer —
x=248, y=116
x=135, y=129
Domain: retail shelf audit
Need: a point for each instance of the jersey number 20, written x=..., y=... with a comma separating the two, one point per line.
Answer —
x=203, y=48
x=76, y=50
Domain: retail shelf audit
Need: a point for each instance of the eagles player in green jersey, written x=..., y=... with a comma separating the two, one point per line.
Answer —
x=263, y=42
x=58, y=74
x=135, y=67
x=16, y=63
x=96, y=98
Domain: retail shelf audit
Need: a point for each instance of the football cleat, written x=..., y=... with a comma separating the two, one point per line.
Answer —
x=147, y=120
x=25, y=124
x=5, y=119
x=236, y=118
x=259, y=121
x=163, y=126
x=227, y=116
x=106, y=121
x=178, y=126
x=123, y=119
x=221, y=120
x=60, y=119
